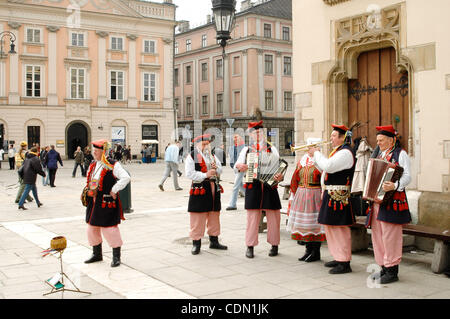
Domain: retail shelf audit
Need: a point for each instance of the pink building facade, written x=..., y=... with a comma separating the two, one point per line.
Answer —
x=256, y=73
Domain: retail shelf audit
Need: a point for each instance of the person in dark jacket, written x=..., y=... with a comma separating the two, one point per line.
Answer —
x=51, y=161
x=43, y=155
x=31, y=167
x=88, y=158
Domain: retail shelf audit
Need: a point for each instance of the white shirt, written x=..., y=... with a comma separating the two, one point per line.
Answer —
x=11, y=152
x=405, y=163
x=123, y=178
x=1, y=153
x=340, y=161
x=197, y=176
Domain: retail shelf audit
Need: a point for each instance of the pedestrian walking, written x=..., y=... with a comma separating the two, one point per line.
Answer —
x=11, y=156
x=386, y=220
x=204, y=196
x=106, y=177
x=336, y=209
x=238, y=188
x=2, y=152
x=171, y=160
x=305, y=200
x=29, y=170
x=79, y=161
x=260, y=197
x=88, y=158
x=19, y=159
x=51, y=161
x=43, y=155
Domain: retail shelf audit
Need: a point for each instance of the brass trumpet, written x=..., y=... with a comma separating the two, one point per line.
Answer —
x=306, y=146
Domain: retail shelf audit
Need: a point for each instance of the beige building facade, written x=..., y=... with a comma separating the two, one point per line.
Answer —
x=256, y=72
x=380, y=62
x=87, y=70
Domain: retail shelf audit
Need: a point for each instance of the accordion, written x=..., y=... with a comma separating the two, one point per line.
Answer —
x=264, y=167
x=378, y=172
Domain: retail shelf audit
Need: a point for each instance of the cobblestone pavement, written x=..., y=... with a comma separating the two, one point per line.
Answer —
x=156, y=258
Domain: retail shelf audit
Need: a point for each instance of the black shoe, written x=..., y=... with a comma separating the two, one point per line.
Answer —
x=273, y=251
x=249, y=252
x=196, y=246
x=331, y=264
x=116, y=257
x=161, y=187
x=391, y=275
x=23, y=207
x=231, y=208
x=39, y=204
x=52, y=186
x=178, y=189
x=179, y=174
x=308, y=252
x=96, y=254
x=301, y=242
x=341, y=268
x=315, y=252
x=214, y=243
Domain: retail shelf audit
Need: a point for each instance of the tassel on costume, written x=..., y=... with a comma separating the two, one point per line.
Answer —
x=221, y=188
x=197, y=191
x=203, y=191
x=250, y=186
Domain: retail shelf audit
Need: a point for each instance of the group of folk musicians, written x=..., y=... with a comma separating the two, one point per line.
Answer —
x=319, y=205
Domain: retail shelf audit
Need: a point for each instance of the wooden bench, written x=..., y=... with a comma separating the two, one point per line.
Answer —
x=441, y=258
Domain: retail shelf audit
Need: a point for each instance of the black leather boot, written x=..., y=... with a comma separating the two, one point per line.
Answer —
x=96, y=254
x=315, y=252
x=214, y=243
x=249, y=253
x=391, y=275
x=307, y=251
x=342, y=268
x=196, y=244
x=331, y=264
x=273, y=251
x=116, y=257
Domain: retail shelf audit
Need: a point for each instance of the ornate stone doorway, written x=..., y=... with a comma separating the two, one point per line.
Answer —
x=77, y=135
x=379, y=95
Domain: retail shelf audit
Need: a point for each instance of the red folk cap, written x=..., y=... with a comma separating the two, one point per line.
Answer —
x=204, y=137
x=255, y=125
x=340, y=128
x=99, y=144
x=387, y=130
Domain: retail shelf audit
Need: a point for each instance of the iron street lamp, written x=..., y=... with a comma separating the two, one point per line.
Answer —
x=12, y=38
x=224, y=12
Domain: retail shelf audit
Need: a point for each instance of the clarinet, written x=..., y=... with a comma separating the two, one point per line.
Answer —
x=213, y=160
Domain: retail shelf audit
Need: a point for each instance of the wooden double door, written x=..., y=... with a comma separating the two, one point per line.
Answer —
x=379, y=96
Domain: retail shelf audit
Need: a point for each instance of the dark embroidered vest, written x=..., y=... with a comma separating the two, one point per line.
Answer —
x=106, y=211
x=334, y=211
x=201, y=199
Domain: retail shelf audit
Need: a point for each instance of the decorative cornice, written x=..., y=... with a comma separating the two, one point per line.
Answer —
x=132, y=37
x=333, y=2
x=33, y=58
x=102, y=34
x=52, y=28
x=121, y=65
x=167, y=40
x=14, y=25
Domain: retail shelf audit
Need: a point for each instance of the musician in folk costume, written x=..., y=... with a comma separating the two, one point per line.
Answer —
x=305, y=201
x=105, y=178
x=386, y=219
x=336, y=212
x=203, y=168
x=260, y=197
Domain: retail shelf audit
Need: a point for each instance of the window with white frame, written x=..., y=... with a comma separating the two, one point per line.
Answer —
x=267, y=30
x=205, y=104
x=77, y=39
x=188, y=74
x=204, y=41
x=33, y=81
x=33, y=35
x=176, y=48
x=269, y=100
x=189, y=105
x=286, y=34
x=288, y=101
x=176, y=77
x=176, y=103
x=188, y=44
x=237, y=101
x=268, y=64
x=149, y=87
x=149, y=46
x=219, y=103
x=117, y=43
x=219, y=69
x=117, y=85
x=236, y=65
x=287, y=65
x=77, y=83
x=204, y=71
